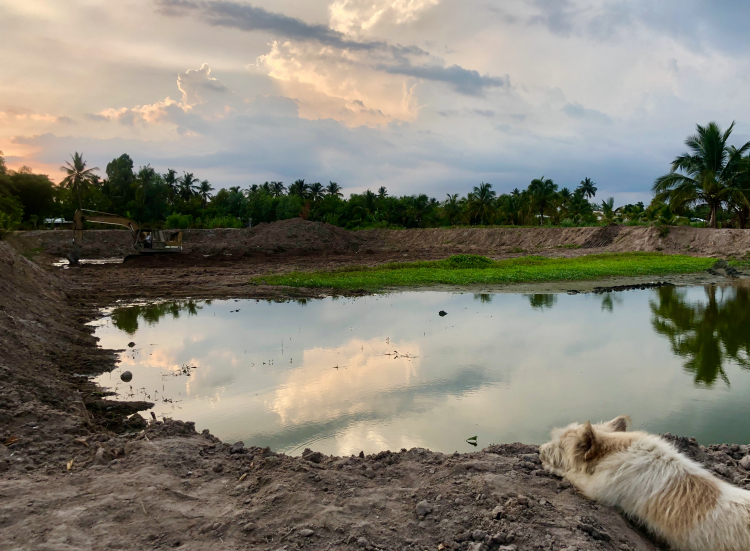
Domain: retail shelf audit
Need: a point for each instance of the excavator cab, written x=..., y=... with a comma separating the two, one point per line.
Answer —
x=145, y=241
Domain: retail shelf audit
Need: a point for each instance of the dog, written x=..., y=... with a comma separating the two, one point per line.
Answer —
x=645, y=477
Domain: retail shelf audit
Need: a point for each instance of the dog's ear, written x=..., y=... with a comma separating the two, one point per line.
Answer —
x=621, y=423
x=587, y=445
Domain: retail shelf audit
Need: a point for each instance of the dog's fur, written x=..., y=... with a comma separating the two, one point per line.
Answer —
x=648, y=479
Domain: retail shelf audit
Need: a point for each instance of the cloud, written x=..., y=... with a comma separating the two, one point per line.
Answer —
x=465, y=81
x=197, y=85
x=96, y=117
x=354, y=17
x=65, y=120
x=577, y=111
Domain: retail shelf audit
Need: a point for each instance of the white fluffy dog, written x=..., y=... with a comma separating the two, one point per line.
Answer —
x=648, y=479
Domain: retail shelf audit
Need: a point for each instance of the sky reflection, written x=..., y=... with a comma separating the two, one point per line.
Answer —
x=386, y=372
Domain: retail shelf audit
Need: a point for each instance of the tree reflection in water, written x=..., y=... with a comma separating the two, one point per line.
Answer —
x=126, y=318
x=708, y=334
x=542, y=301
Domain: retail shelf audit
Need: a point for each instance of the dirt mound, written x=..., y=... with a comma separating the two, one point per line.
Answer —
x=297, y=234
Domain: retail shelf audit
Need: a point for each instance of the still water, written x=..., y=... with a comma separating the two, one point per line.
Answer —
x=387, y=372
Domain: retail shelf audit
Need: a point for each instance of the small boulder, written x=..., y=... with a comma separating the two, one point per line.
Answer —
x=306, y=532
x=531, y=458
x=249, y=527
x=136, y=421
x=102, y=457
x=423, y=508
x=498, y=512
x=218, y=468
x=745, y=462
x=363, y=543
x=478, y=535
x=126, y=376
x=314, y=457
x=237, y=447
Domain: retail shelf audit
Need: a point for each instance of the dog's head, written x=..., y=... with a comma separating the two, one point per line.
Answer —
x=575, y=445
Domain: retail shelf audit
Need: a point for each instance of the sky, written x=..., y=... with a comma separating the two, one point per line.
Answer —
x=419, y=96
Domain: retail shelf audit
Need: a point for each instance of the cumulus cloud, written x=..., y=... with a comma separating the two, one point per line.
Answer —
x=577, y=111
x=355, y=17
x=198, y=86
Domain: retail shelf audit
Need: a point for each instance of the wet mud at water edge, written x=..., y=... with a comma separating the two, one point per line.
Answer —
x=388, y=372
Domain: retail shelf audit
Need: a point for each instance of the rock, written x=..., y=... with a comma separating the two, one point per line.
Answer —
x=306, y=532
x=315, y=457
x=237, y=447
x=136, y=422
x=531, y=458
x=745, y=462
x=102, y=457
x=126, y=376
x=218, y=468
x=423, y=508
x=501, y=538
x=362, y=455
x=131, y=344
x=498, y=512
x=249, y=527
x=475, y=546
x=594, y=532
x=478, y=535
x=723, y=470
x=442, y=313
x=507, y=548
x=362, y=542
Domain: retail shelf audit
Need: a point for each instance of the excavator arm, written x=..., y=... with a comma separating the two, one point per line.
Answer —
x=84, y=215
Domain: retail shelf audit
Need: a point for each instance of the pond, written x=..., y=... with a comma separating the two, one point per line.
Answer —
x=342, y=375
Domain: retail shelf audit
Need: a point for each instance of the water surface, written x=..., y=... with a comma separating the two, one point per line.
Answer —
x=387, y=372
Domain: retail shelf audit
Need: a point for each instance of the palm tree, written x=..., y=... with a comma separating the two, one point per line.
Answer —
x=482, y=202
x=316, y=192
x=452, y=208
x=608, y=211
x=204, y=192
x=170, y=178
x=711, y=174
x=299, y=188
x=188, y=185
x=382, y=192
x=542, y=192
x=370, y=200
x=78, y=176
x=334, y=189
x=277, y=189
x=565, y=196
x=587, y=188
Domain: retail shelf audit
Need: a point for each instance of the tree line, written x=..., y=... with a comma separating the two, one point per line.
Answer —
x=709, y=185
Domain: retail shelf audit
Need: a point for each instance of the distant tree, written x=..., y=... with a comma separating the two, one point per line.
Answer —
x=452, y=208
x=204, y=192
x=300, y=188
x=711, y=174
x=78, y=177
x=170, y=179
x=482, y=202
x=543, y=191
x=382, y=192
x=188, y=186
x=565, y=196
x=278, y=189
x=333, y=189
x=316, y=192
x=608, y=211
x=587, y=188
x=119, y=184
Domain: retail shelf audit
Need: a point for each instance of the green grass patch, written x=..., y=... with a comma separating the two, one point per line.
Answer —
x=473, y=270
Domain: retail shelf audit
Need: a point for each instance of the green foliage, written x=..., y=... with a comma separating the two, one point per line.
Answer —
x=464, y=261
x=222, y=222
x=525, y=269
x=178, y=221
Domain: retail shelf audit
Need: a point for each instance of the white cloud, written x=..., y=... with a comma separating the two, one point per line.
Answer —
x=356, y=17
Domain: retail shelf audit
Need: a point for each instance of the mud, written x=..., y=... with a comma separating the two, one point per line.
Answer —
x=76, y=472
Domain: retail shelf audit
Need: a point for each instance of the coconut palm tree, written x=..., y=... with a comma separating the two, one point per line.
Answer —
x=543, y=191
x=204, y=192
x=316, y=192
x=482, y=202
x=711, y=174
x=382, y=192
x=170, y=178
x=277, y=189
x=334, y=189
x=188, y=185
x=608, y=211
x=78, y=177
x=300, y=188
x=452, y=208
x=587, y=188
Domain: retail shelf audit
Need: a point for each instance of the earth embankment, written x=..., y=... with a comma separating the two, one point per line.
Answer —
x=304, y=237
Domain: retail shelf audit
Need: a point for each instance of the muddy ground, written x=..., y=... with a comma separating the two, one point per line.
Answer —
x=77, y=471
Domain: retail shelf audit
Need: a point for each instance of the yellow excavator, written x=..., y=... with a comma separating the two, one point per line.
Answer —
x=145, y=241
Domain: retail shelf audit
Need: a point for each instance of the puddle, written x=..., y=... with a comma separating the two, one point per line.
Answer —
x=64, y=263
x=388, y=372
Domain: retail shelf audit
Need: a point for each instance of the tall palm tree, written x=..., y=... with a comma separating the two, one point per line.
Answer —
x=382, y=192
x=299, y=188
x=711, y=174
x=334, y=189
x=170, y=178
x=78, y=177
x=452, y=208
x=587, y=188
x=277, y=189
x=204, y=192
x=608, y=210
x=316, y=192
x=482, y=202
x=543, y=191
x=188, y=185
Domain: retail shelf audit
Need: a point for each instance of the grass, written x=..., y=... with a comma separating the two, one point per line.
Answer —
x=472, y=269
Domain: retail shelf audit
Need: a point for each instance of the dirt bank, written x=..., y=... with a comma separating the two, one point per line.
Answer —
x=75, y=474
x=303, y=237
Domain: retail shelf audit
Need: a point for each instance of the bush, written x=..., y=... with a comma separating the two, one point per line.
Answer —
x=223, y=222
x=178, y=221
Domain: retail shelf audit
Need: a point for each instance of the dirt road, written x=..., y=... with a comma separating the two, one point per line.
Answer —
x=77, y=473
